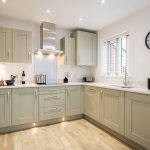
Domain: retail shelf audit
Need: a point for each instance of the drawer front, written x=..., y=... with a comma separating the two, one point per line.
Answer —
x=52, y=90
x=53, y=112
x=91, y=88
x=51, y=99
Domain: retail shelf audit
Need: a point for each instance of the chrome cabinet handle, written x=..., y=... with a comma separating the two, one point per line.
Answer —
x=29, y=54
x=68, y=93
x=36, y=94
x=53, y=97
x=66, y=59
x=78, y=59
x=50, y=98
x=52, y=110
x=8, y=93
x=52, y=90
x=8, y=53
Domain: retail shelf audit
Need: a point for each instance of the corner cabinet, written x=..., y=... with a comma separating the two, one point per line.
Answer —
x=24, y=105
x=112, y=109
x=86, y=48
x=91, y=100
x=73, y=100
x=137, y=118
x=5, y=108
x=68, y=46
x=22, y=46
x=15, y=46
x=5, y=45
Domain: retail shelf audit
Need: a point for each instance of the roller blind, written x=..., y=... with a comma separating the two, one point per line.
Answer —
x=116, y=52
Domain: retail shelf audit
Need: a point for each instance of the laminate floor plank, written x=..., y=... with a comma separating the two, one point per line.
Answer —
x=72, y=135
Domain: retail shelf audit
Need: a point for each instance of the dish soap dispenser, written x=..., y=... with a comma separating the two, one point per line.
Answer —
x=23, y=77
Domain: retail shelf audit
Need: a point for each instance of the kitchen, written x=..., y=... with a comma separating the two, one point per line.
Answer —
x=108, y=106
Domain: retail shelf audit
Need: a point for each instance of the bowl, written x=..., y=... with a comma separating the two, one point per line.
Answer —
x=10, y=82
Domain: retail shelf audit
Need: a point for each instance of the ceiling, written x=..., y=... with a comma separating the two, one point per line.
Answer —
x=66, y=13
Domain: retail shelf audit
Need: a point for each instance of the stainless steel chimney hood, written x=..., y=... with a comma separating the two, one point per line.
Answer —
x=48, y=39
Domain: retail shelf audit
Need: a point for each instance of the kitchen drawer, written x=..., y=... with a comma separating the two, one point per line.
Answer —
x=91, y=88
x=51, y=99
x=52, y=112
x=53, y=90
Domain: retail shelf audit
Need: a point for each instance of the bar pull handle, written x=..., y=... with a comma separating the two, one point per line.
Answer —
x=8, y=93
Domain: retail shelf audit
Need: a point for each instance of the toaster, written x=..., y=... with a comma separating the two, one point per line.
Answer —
x=40, y=79
x=88, y=79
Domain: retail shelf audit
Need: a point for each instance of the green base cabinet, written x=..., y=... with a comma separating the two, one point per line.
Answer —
x=24, y=105
x=5, y=108
x=73, y=100
x=91, y=101
x=112, y=109
x=137, y=118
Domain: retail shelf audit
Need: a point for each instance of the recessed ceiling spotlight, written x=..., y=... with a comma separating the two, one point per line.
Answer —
x=4, y=1
x=103, y=1
x=48, y=11
x=80, y=19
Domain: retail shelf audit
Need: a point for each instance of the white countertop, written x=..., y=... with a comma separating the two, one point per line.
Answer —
x=141, y=90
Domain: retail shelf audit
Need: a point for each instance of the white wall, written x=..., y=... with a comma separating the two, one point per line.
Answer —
x=6, y=69
x=138, y=26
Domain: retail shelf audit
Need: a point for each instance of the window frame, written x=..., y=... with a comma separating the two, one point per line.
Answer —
x=105, y=48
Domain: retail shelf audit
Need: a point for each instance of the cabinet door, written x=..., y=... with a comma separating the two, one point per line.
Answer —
x=5, y=108
x=86, y=48
x=24, y=106
x=22, y=47
x=112, y=109
x=137, y=118
x=5, y=45
x=68, y=45
x=73, y=100
x=92, y=102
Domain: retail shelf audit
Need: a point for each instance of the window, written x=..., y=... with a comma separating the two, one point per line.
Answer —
x=114, y=56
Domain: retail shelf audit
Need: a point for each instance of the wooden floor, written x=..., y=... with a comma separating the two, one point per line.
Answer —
x=74, y=135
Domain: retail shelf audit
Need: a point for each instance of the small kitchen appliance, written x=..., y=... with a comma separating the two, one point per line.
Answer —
x=88, y=79
x=40, y=79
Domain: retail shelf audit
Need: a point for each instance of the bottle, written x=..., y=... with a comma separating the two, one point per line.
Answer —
x=23, y=77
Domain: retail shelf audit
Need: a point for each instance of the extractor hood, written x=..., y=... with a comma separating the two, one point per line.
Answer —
x=48, y=39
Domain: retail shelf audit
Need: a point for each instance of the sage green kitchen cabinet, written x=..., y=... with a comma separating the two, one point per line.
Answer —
x=68, y=46
x=51, y=102
x=15, y=46
x=73, y=100
x=137, y=118
x=5, y=45
x=5, y=108
x=22, y=46
x=91, y=101
x=86, y=48
x=112, y=109
x=24, y=105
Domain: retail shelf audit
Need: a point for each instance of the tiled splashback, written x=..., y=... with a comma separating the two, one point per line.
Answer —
x=7, y=69
x=49, y=65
